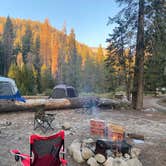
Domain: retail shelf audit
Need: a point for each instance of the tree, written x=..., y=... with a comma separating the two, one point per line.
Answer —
x=8, y=37
x=138, y=84
x=120, y=54
x=45, y=43
x=27, y=43
x=100, y=73
x=55, y=53
x=1, y=59
x=72, y=60
x=46, y=78
x=155, y=45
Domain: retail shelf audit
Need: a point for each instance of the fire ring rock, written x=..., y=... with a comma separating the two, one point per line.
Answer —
x=86, y=153
x=100, y=158
x=92, y=162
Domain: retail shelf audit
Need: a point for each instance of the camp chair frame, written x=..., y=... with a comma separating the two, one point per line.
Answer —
x=44, y=151
x=43, y=120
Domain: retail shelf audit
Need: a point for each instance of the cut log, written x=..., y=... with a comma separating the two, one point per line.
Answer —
x=135, y=136
x=55, y=104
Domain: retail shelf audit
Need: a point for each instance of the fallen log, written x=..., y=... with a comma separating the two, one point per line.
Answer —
x=55, y=104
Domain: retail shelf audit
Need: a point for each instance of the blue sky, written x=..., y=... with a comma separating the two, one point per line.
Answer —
x=87, y=17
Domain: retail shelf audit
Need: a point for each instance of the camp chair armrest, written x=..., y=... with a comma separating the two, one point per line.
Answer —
x=18, y=153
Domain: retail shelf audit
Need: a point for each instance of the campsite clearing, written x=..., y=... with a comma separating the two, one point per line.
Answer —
x=16, y=128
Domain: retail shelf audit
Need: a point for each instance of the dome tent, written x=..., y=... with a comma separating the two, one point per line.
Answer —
x=8, y=90
x=63, y=91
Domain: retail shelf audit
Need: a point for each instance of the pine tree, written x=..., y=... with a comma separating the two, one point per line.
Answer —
x=55, y=53
x=1, y=59
x=27, y=43
x=8, y=37
x=45, y=43
x=155, y=46
x=72, y=60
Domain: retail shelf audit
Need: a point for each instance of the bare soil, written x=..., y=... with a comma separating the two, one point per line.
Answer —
x=151, y=124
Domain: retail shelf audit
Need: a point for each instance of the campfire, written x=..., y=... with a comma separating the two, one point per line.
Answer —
x=107, y=148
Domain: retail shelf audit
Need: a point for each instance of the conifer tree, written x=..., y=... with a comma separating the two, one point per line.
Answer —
x=8, y=37
x=27, y=43
x=72, y=59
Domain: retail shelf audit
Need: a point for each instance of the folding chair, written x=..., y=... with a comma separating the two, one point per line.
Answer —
x=44, y=151
x=43, y=120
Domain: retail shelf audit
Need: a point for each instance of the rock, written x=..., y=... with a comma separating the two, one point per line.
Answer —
x=92, y=162
x=119, y=162
x=135, y=152
x=134, y=162
x=109, y=162
x=74, y=150
x=127, y=156
x=88, y=141
x=74, y=145
x=86, y=153
x=66, y=126
x=77, y=156
x=150, y=110
x=100, y=158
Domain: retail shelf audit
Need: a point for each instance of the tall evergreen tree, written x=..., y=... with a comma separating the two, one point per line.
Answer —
x=27, y=43
x=8, y=37
x=72, y=59
x=1, y=59
x=155, y=44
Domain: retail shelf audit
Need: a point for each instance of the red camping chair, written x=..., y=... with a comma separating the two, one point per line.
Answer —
x=44, y=151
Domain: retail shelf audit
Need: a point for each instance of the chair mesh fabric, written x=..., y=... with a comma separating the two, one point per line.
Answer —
x=45, y=147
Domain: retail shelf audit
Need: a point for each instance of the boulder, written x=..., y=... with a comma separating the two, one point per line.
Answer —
x=92, y=162
x=66, y=126
x=109, y=162
x=77, y=156
x=74, y=150
x=100, y=158
x=74, y=145
x=86, y=153
x=135, y=152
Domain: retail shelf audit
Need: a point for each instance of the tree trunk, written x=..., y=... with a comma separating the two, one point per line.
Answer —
x=137, y=98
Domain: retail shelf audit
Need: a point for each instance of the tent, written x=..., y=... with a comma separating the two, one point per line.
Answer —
x=8, y=90
x=63, y=91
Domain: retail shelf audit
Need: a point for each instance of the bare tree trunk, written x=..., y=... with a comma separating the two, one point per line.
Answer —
x=137, y=98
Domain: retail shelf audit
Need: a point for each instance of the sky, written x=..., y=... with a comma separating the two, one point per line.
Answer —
x=88, y=17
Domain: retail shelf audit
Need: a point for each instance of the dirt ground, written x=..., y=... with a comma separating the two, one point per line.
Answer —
x=151, y=124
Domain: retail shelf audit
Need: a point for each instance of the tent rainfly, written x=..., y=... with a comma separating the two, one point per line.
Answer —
x=9, y=90
x=63, y=91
